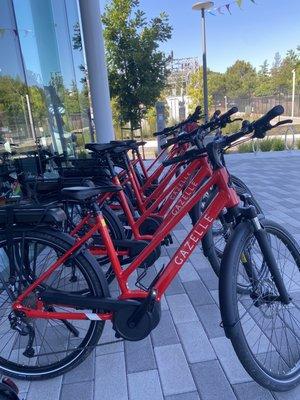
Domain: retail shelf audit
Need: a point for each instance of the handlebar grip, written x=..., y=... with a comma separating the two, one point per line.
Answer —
x=182, y=138
x=215, y=114
x=230, y=112
x=185, y=157
x=170, y=142
x=265, y=119
x=165, y=131
x=196, y=115
x=246, y=129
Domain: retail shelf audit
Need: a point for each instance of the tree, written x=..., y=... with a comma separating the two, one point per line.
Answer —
x=137, y=68
x=277, y=61
x=216, y=87
x=282, y=73
x=240, y=79
x=264, y=85
x=264, y=69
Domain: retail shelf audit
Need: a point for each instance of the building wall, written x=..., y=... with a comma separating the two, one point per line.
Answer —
x=42, y=75
x=178, y=107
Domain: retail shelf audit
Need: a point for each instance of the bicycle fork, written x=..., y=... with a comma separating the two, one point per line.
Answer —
x=265, y=247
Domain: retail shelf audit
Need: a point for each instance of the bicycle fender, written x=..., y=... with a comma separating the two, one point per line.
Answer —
x=98, y=270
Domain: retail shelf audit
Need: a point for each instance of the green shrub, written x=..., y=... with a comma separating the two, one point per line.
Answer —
x=298, y=144
x=231, y=128
x=278, y=144
x=82, y=153
x=245, y=148
x=265, y=145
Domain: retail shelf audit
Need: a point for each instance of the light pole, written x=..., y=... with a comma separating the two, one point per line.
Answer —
x=293, y=92
x=225, y=103
x=203, y=6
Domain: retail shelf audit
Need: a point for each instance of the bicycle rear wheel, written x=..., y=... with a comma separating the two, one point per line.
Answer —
x=75, y=213
x=57, y=346
x=264, y=332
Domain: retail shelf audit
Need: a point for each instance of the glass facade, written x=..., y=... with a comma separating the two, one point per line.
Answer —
x=43, y=83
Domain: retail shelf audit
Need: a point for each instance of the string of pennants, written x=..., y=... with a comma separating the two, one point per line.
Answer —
x=227, y=7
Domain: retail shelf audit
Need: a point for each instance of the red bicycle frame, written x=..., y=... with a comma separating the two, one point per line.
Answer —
x=226, y=197
x=169, y=195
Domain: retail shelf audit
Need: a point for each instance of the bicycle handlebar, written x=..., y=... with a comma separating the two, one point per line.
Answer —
x=262, y=125
x=259, y=127
x=216, y=121
x=192, y=118
x=187, y=156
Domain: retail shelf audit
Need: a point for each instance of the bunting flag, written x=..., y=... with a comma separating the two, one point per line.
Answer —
x=226, y=6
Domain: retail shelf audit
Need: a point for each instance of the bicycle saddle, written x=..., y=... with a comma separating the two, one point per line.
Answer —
x=128, y=142
x=101, y=148
x=133, y=144
x=81, y=193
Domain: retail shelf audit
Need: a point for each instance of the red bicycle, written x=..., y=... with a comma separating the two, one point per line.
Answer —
x=54, y=301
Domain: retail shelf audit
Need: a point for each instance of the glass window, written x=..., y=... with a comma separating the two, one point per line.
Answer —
x=14, y=120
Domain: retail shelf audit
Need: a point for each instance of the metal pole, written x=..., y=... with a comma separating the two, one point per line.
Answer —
x=226, y=105
x=30, y=117
x=160, y=122
x=293, y=92
x=96, y=63
x=205, y=90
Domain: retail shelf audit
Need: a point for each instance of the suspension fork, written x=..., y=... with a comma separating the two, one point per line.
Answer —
x=262, y=238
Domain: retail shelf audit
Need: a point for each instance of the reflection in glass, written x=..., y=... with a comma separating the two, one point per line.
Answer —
x=54, y=72
x=14, y=121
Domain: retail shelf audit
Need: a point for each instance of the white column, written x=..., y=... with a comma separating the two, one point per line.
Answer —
x=96, y=63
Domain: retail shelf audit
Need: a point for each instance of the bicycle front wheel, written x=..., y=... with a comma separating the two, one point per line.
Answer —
x=34, y=349
x=265, y=333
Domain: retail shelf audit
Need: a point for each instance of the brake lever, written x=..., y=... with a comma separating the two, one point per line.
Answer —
x=285, y=121
x=236, y=119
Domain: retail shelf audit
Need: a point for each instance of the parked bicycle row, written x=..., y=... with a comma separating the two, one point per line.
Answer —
x=106, y=218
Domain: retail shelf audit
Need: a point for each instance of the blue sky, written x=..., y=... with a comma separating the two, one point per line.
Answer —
x=254, y=33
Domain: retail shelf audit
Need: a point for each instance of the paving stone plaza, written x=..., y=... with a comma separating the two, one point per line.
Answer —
x=187, y=357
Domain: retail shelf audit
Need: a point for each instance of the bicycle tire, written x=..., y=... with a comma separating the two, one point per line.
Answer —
x=88, y=267
x=237, y=327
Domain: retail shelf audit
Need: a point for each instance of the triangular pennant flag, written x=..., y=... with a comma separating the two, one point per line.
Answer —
x=252, y=1
x=228, y=8
x=239, y=3
x=211, y=13
x=219, y=10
